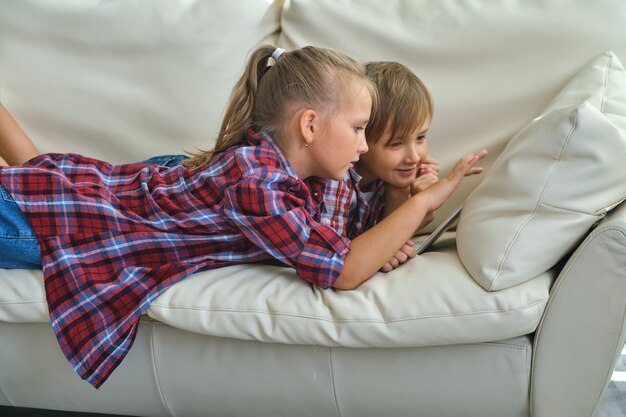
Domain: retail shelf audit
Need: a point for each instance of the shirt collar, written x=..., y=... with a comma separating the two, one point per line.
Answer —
x=356, y=178
x=261, y=138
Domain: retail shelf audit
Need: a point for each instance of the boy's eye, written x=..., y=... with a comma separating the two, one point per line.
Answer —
x=357, y=129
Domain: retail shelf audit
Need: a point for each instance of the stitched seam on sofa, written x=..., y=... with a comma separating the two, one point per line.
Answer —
x=22, y=302
x=619, y=343
x=493, y=345
x=572, y=262
x=539, y=200
x=614, y=227
x=156, y=372
x=592, y=214
x=593, y=236
x=332, y=379
x=380, y=321
x=574, y=259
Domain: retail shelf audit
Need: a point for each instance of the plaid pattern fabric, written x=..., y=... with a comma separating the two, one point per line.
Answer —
x=114, y=237
x=347, y=210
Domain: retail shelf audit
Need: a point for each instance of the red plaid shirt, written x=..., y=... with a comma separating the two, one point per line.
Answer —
x=350, y=211
x=114, y=237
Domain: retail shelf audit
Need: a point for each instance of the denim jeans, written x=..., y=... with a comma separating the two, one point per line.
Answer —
x=166, y=160
x=19, y=247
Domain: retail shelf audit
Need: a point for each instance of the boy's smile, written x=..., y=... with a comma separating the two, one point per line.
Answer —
x=395, y=161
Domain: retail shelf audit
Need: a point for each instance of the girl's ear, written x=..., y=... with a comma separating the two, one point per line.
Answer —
x=309, y=124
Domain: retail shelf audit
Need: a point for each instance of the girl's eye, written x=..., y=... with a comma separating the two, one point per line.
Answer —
x=395, y=144
x=421, y=138
x=357, y=129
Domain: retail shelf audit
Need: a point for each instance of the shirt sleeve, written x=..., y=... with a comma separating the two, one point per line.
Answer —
x=273, y=211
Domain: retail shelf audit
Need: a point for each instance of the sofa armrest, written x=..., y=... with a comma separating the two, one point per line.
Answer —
x=582, y=331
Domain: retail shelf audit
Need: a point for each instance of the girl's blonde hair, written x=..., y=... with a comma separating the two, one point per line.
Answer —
x=404, y=102
x=266, y=97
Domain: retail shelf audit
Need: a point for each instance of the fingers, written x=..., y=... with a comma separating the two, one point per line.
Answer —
x=406, y=252
x=481, y=154
x=429, y=165
x=428, y=169
x=387, y=267
x=474, y=171
x=465, y=166
x=422, y=182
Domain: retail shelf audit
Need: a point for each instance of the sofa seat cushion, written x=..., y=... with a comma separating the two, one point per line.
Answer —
x=430, y=300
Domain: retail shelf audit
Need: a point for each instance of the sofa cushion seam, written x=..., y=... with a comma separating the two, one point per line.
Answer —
x=356, y=321
x=154, y=368
x=332, y=377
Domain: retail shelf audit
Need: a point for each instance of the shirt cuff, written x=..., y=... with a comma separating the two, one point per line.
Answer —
x=321, y=260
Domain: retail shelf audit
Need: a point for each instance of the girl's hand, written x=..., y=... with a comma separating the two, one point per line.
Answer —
x=406, y=252
x=439, y=192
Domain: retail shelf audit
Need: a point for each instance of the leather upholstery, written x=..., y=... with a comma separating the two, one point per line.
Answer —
x=126, y=80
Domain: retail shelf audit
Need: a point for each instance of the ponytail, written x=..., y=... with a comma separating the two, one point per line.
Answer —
x=265, y=97
x=238, y=115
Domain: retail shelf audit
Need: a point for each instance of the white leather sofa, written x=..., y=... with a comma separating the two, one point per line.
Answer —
x=125, y=80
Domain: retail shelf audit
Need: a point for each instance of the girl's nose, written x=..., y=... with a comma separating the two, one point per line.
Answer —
x=362, y=148
x=412, y=154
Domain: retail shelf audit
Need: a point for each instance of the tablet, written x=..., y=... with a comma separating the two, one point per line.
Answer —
x=445, y=225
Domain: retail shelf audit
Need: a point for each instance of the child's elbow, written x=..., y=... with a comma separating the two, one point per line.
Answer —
x=344, y=283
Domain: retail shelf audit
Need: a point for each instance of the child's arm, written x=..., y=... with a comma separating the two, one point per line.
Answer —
x=406, y=252
x=371, y=250
x=15, y=146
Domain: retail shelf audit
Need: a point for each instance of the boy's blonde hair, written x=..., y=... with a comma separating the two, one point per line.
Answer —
x=404, y=102
x=266, y=97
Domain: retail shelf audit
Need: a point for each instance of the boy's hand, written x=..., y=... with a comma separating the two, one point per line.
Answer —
x=424, y=181
x=428, y=174
x=406, y=252
x=429, y=164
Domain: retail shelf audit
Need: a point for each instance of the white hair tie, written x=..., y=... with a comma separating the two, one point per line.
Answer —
x=278, y=52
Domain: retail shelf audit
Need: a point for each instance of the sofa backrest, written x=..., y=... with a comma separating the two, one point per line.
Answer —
x=124, y=80
x=491, y=66
x=128, y=79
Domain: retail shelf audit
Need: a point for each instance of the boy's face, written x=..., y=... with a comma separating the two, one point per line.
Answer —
x=396, y=160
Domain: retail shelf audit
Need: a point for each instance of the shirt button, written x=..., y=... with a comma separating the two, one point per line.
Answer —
x=358, y=224
x=325, y=221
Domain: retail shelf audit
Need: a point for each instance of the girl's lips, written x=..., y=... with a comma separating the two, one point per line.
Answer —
x=406, y=171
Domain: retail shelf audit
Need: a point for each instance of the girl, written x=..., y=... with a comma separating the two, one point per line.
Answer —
x=113, y=237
